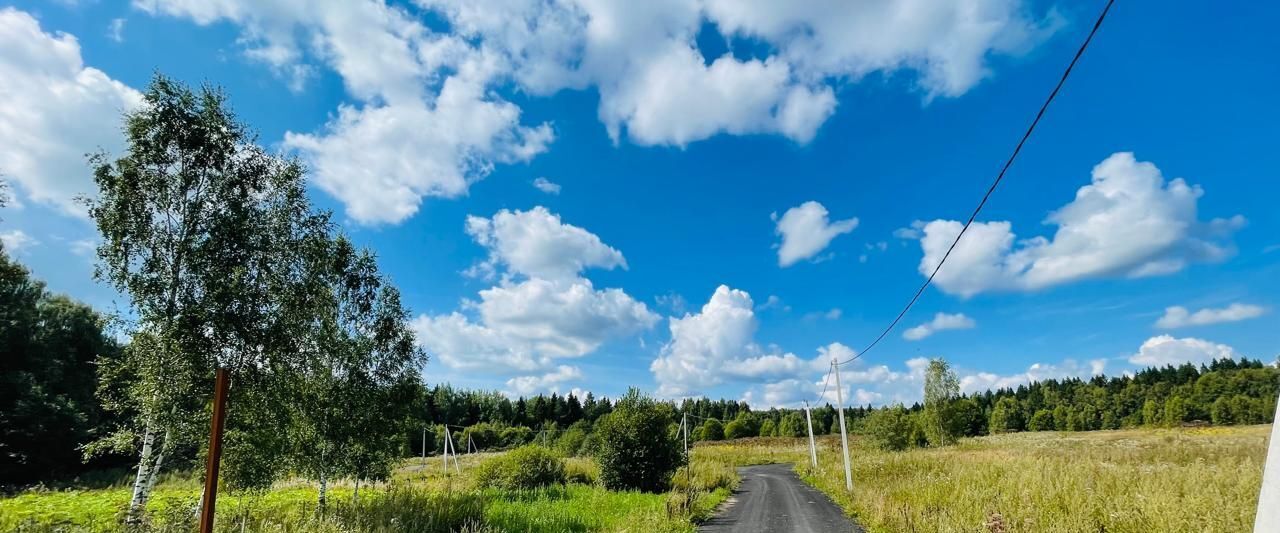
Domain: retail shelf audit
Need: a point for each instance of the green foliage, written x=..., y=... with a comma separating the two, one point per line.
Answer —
x=570, y=442
x=738, y=428
x=768, y=428
x=484, y=436
x=941, y=386
x=964, y=418
x=1006, y=416
x=524, y=468
x=636, y=451
x=792, y=425
x=515, y=436
x=1041, y=421
x=712, y=430
x=50, y=347
x=891, y=428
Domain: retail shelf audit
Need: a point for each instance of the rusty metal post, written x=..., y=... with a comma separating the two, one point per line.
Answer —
x=215, y=450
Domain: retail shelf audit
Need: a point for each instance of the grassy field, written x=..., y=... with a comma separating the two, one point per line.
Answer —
x=1166, y=480
x=420, y=497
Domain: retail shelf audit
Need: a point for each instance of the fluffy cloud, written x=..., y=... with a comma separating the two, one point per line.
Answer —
x=806, y=230
x=1127, y=222
x=655, y=85
x=546, y=185
x=542, y=309
x=530, y=385
x=981, y=381
x=537, y=244
x=427, y=124
x=55, y=111
x=1165, y=350
x=718, y=343
x=381, y=161
x=940, y=322
x=1180, y=317
x=16, y=240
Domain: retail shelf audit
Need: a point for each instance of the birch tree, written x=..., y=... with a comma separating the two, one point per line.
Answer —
x=197, y=223
x=353, y=393
x=941, y=386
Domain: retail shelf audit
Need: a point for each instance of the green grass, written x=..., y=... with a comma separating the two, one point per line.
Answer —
x=419, y=497
x=1142, y=481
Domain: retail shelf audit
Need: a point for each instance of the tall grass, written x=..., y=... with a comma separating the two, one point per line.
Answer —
x=1170, y=480
x=420, y=497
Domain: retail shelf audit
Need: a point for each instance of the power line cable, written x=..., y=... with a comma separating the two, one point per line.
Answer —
x=1017, y=149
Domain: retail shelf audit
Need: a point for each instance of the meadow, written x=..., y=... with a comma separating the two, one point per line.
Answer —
x=1140, y=480
x=421, y=496
x=1167, y=480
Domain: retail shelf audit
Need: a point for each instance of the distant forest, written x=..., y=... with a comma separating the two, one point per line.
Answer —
x=1224, y=392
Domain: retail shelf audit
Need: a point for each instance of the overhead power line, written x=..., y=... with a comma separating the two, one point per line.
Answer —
x=1017, y=149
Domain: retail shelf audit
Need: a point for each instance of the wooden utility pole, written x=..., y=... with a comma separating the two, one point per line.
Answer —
x=220, y=384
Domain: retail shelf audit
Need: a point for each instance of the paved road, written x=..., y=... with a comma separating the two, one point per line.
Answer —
x=772, y=498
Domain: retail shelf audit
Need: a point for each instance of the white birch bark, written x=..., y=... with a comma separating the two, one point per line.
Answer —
x=138, y=502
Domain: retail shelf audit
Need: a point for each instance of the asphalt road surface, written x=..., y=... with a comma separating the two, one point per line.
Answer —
x=772, y=498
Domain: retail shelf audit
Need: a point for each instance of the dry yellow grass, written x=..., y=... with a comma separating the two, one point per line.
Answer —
x=1165, y=480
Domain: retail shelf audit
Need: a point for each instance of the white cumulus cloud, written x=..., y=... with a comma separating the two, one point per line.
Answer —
x=546, y=185
x=16, y=240
x=537, y=244
x=55, y=110
x=806, y=231
x=655, y=86
x=940, y=322
x=1128, y=221
x=548, y=382
x=542, y=308
x=718, y=343
x=1180, y=317
x=1164, y=350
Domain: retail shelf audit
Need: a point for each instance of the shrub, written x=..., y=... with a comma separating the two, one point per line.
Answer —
x=767, y=428
x=1041, y=421
x=891, y=428
x=526, y=467
x=739, y=428
x=1006, y=416
x=792, y=425
x=569, y=443
x=515, y=436
x=636, y=452
x=484, y=436
x=712, y=430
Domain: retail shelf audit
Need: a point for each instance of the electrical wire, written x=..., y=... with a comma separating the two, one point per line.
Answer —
x=1009, y=162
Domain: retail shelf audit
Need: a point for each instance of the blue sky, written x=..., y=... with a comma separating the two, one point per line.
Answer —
x=710, y=144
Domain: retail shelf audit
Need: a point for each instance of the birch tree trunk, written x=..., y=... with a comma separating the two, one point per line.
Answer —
x=324, y=491
x=138, y=502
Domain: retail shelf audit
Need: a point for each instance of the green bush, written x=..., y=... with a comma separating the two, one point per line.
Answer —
x=526, y=467
x=712, y=430
x=484, y=436
x=569, y=443
x=739, y=428
x=636, y=452
x=1041, y=421
x=515, y=436
x=792, y=425
x=891, y=428
x=767, y=428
